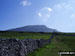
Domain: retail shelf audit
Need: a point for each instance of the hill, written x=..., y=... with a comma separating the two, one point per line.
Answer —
x=34, y=28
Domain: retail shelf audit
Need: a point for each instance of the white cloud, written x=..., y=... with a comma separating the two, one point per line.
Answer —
x=73, y=16
x=25, y=3
x=60, y=6
x=49, y=9
x=39, y=14
x=69, y=5
x=65, y=9
x=45, y=13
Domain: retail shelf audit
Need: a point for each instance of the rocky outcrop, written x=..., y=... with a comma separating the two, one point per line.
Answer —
x=16, y=47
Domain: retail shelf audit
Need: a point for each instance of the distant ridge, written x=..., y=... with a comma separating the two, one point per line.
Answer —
x=34, y=28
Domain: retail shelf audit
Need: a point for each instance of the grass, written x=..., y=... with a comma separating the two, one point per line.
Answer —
x=24, y=35
x=61, y=42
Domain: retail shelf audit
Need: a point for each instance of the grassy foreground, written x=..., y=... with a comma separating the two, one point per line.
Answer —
x=60, y=42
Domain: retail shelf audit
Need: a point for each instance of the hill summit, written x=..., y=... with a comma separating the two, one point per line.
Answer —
x=34, y=28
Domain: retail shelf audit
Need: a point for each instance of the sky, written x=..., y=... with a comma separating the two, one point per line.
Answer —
x=55, y=14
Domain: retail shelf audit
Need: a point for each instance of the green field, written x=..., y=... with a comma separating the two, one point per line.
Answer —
x=24, y=35
x=61, y=42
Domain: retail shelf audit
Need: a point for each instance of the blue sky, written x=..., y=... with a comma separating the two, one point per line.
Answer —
x=56, y=14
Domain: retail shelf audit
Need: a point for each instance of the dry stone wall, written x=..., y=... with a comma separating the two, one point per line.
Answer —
x=16, y=47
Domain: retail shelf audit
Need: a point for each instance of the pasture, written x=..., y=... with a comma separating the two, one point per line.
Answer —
x=61, y=42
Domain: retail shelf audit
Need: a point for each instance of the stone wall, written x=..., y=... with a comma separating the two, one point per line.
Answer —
x=16, y=47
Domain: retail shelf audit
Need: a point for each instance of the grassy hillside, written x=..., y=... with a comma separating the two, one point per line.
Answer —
x=24, y=35
x=61, y=42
